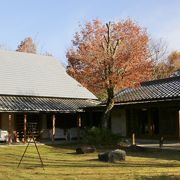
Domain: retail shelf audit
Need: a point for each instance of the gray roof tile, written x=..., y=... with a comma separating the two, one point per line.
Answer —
x=28, y=74
x=152, y=90
x=26, y=103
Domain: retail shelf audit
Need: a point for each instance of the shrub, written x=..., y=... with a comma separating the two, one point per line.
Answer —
x=99, y=136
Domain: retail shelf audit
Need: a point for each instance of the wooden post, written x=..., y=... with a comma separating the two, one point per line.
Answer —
x=161, y=141
x=25, y=128
x=10, y=129
x=53, y=126
x=133, y=139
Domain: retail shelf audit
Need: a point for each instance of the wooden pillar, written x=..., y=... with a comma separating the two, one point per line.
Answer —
x=79, y=120
x=10, y=129
x=79, y=125
x=25, y=128
x=53, y=126
x=179, y=124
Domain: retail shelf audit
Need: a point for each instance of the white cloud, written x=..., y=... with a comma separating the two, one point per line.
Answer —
x=171, y=34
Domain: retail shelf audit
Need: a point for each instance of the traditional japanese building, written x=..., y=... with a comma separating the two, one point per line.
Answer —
x=36, y=89
x=150, y=111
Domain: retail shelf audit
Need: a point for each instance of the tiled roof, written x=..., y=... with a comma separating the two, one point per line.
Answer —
x=24, y=103
x=168, y=88
x=26, y=74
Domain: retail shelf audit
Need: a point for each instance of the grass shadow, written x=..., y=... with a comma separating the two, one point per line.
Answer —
x=161, y=177
x=156, y=153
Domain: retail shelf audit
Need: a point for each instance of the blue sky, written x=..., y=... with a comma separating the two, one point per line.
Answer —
x=52, y=23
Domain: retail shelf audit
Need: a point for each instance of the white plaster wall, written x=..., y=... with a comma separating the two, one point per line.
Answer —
x=118, y=122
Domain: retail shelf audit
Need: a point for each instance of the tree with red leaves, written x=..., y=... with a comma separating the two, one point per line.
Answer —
x=168, y=67
x=107, y=58
x=27, y=45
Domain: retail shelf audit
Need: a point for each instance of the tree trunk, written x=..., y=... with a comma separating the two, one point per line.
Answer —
x=109, y=105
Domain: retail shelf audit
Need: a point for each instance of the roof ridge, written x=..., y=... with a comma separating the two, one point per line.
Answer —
x=151, y=90
x=25, y=53
x=158, y=81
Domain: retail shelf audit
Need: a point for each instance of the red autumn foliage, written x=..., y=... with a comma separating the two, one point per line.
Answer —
x=107, y=58
x=27, y=45
x=94, y=67
x=167, y=68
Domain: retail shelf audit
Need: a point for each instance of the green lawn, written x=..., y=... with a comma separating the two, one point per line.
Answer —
x=62, y=163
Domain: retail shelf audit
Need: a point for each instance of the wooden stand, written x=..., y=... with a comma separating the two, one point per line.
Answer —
x=31, y=137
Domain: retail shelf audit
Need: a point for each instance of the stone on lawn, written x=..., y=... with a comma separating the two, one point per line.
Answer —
x=104, y=156
x=117, y=155
x=85, y=149
x=112, y=156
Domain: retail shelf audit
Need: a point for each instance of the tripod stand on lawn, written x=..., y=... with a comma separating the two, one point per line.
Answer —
x=31, y=129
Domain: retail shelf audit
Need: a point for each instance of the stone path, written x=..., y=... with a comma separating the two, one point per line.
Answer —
x=174, y=145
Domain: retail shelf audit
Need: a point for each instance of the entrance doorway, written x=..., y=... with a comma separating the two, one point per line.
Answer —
x=148, y=121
